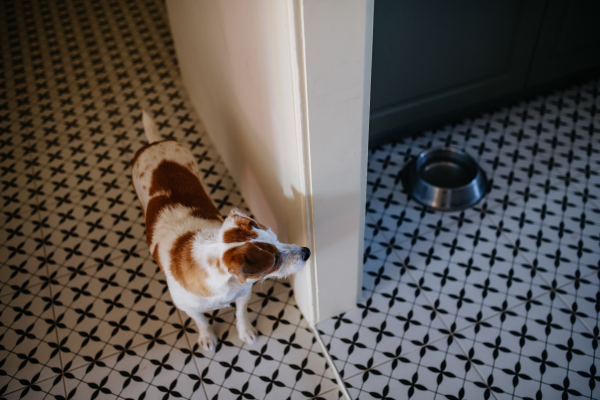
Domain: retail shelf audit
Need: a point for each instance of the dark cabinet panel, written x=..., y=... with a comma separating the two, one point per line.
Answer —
x=434, y=57
x=569, y=40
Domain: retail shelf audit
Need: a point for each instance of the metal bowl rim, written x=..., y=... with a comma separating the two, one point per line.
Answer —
x=411, y=176
x=463, y=153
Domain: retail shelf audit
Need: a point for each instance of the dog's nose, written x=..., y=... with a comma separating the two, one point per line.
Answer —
x=305, y=253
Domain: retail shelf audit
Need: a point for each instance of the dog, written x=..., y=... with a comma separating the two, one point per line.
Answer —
x=208, y=262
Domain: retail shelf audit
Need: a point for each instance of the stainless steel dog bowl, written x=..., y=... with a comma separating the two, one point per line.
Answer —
x=445, y=179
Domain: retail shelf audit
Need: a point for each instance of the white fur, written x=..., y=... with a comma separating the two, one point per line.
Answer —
x=208, y=245
x=226, y=288
x=150, y=128
x=149, y=160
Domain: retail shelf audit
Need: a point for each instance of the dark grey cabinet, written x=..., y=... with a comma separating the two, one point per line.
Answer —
x=434, y=60
x=569, y=40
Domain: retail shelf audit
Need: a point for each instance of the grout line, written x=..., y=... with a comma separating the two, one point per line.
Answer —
x=231, y=309
x=462, y=329
x=542, y=274
x=191, y=348
x=243, y=347
x=336, y=373
x=582, y=189
x=395, y=358
x=64, y=274
x=36, y=170
x=580, y=319
x=547, y=292
x=321, y=394
x=103, y=54
x=21, y=388
x=445, y=337
x=82, y=380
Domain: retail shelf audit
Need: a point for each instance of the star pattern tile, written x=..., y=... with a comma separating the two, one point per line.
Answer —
x=85, y=312
x=499, y=301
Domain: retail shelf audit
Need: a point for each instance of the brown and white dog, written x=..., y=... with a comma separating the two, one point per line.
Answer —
x=209, y=262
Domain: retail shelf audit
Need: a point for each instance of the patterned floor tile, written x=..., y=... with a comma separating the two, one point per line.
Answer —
x=22, y=256
x=38, y=390
x=555, y=231
x=582, y=301
x=504, y=143
x=391, y=213
x=532, y=350
x=80, y=178
x=384, y=326
x=29, y=349
x=19, y=200
x=161, y=368
x=18, y=175
x=475, y=286
x=84, y=233
x=381, y=271
x=576, y=137
x=285, y=361
x=374, y=241
x=498, y=301
x=439, y=370
x=334, y=394
x=103, y=310
x=587, y=186
x=533, y=237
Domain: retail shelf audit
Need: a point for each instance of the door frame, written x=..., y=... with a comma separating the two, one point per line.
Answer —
x=283, y=89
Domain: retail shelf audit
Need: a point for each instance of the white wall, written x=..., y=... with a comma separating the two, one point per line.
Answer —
x=280, y=87
x=229, y=58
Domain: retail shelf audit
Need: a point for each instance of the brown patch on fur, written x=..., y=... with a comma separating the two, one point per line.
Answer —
x=214, y=261
x=257, y=225
x=184, y=268
x=251, y=260
x=238, y=235
x=244, y=230
x=267, y=247
x=179, y=187
x=156, y=258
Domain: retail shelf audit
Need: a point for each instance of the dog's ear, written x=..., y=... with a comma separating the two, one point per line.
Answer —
x=233, y=219
x=249, y=261
x=236, y=211
x=239, y=228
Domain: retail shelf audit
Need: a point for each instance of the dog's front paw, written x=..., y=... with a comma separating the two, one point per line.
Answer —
x=207, y=339
x=247, y=334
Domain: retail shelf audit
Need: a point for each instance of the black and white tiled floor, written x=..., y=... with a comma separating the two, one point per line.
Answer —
x=84, y=311
x=499, y=301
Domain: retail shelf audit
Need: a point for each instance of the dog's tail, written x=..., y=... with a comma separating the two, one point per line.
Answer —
x=150, y=128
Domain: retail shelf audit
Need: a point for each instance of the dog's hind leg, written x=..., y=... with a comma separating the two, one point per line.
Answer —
x=246, y=331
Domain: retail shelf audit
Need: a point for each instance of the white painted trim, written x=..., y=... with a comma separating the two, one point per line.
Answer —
x=336, y=40
x=369, y=14
x=304, y=283
x=282, y=88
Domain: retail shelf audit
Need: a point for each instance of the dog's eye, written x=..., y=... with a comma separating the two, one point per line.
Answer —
x=276, y=259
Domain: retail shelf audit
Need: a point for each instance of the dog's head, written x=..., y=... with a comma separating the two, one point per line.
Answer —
x=253, y=251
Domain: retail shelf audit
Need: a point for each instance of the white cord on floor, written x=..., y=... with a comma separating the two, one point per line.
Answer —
x=336, y=373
